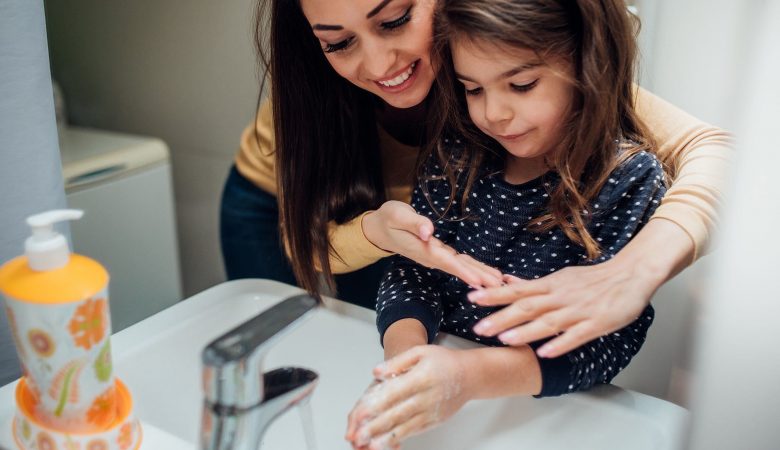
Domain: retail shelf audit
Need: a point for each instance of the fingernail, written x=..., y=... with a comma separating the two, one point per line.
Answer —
x=507, y=337
x=482, y=327
x=383, y=442
x=363, y=437
x=545, y=350
x=474, y=296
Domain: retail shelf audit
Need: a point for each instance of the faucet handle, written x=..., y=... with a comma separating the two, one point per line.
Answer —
x=232, y=363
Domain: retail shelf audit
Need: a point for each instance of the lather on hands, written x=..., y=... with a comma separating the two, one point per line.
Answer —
x=416, y=390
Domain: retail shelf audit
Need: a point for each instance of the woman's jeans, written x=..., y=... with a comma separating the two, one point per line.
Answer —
x=251, y=248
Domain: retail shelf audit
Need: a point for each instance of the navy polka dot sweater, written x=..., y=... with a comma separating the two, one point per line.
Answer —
x=492, y=229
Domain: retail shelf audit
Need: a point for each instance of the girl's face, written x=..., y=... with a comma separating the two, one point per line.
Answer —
x=513, y=97
x=382, y=46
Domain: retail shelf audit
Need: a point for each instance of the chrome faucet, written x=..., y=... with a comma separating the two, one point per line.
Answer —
x=240, y=400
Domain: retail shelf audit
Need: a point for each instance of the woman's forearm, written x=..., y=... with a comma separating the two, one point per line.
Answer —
x=659, y=252
x=501, y=371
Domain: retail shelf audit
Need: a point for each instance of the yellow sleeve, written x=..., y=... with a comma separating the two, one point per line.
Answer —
x=699, y=156
x=256, y=158
x=353, y=250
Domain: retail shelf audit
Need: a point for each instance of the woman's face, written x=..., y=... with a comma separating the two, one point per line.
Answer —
x=382, y=46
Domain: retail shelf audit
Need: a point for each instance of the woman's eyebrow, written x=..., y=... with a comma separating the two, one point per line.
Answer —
x=318, y=26
x=378, y=8
x=372, y=13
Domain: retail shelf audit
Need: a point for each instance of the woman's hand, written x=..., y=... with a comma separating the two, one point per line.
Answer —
x=416, y=390
x=583, y=303
x=396, y=227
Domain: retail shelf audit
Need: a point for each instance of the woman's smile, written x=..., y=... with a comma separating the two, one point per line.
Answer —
x=399, y=81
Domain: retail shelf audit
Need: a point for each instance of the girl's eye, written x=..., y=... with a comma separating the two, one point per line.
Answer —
x=338, y=46
x=399, y=21
x=475, y=91
x=525, y=87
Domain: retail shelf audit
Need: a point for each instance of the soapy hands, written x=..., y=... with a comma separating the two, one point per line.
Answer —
x=396, y=227
x=413, y=392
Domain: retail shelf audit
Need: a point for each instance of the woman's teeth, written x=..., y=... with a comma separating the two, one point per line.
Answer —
x=400, y=78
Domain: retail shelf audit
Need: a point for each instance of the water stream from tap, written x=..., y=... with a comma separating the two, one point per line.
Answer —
x=307, y=423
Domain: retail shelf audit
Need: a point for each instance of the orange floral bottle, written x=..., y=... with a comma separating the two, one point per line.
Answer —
x=57, y=308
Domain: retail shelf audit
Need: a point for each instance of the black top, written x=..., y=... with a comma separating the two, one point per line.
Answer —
x=492, y=229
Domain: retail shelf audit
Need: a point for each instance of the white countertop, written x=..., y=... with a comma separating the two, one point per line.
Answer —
x=159, y=359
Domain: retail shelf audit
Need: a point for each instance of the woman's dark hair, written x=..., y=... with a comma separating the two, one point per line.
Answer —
x=598, y=38
x=328, y=165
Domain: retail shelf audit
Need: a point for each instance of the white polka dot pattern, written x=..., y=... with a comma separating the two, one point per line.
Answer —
x=492, y=228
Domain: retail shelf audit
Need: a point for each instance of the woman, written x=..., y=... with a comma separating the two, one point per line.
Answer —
x=337, y=145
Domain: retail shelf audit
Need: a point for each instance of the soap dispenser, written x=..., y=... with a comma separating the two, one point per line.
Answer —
x=57, y=307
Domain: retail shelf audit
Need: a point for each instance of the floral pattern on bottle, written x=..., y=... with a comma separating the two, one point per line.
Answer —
x=65, y=386
x=88, y=325
x=125, y=437
x=45, y=442
x=97, y=444
x=41, y=342
x=103, y=409
x=103, y=365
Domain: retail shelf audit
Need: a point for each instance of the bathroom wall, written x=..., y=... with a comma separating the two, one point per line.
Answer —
x=692, y=55
x=180, y=70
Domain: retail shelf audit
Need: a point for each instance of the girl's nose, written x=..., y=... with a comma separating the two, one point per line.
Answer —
x=378, y=59
x=497, y=110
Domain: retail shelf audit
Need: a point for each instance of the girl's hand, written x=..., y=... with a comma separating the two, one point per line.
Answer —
x=417, y=390
x=581, y=303
x=396, y=227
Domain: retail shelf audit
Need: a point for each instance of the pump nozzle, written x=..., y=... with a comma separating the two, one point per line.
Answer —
x=46, y=249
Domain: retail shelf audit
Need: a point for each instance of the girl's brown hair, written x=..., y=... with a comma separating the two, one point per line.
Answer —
x=598, y=38
x=328, y=165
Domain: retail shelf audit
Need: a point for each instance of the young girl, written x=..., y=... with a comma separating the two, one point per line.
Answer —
x=543, y=166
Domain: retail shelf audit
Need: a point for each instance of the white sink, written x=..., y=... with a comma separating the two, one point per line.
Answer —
x=159, y=359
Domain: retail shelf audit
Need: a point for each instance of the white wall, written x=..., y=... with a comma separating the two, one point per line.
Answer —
x=737, y=359
x=693, y=53
x=180, y=70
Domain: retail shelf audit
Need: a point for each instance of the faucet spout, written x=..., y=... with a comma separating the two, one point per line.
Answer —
x=240, y=400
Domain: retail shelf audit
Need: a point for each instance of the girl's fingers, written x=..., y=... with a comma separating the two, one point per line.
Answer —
x=425, y=231
x=548, y=324
x=468, y=269
x=572, y=338
x=359, y=412
x=389, y=420
x=514, y=315
x=491, y=277
x=398, y=364
x=509, y=293
x=416, y=425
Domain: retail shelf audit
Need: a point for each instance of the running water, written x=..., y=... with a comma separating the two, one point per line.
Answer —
x=307, y=423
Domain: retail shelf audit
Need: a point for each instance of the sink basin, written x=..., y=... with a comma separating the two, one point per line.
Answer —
x=159, y=359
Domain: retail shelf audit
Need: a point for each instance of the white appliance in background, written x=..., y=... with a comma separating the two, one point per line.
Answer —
x=123, y=183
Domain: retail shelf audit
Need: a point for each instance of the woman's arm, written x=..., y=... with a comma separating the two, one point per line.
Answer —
x=697, y=156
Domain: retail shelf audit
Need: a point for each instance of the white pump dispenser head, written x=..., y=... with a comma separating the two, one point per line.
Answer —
x=46, y=249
